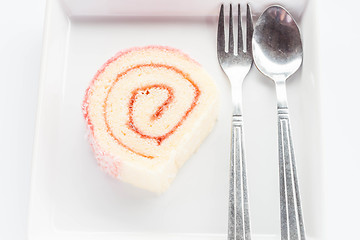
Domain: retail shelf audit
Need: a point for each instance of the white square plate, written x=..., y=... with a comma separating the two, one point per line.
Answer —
x=71, y=198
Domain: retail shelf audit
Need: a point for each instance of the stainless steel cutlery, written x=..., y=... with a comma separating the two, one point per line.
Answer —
x=236, y=63
x=276, y=48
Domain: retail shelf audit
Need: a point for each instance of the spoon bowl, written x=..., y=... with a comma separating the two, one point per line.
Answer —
x=277, y=44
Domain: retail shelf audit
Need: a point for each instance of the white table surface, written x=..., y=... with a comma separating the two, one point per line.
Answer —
x=21, y=24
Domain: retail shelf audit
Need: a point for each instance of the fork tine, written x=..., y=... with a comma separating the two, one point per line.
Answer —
x=249, y=30
x=221, y=31
x=240, y=38
x=231, y=34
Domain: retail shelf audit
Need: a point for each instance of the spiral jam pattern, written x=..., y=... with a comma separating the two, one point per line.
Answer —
x=131, y=124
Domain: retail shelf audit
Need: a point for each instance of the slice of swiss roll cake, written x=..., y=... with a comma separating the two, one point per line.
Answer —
x=147, y=110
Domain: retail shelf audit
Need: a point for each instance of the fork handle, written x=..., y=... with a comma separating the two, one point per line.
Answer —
x=239, y=222
x=292, y=226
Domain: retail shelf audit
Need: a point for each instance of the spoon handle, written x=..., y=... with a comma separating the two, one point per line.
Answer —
x=239, y=221
x=292, y=226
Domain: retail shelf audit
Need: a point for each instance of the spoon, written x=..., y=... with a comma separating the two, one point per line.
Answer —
x=277, y=52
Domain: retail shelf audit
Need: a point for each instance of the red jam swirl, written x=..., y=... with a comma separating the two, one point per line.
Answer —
x=158, y=113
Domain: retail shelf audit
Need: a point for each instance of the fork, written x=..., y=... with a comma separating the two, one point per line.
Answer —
x=236, y=63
